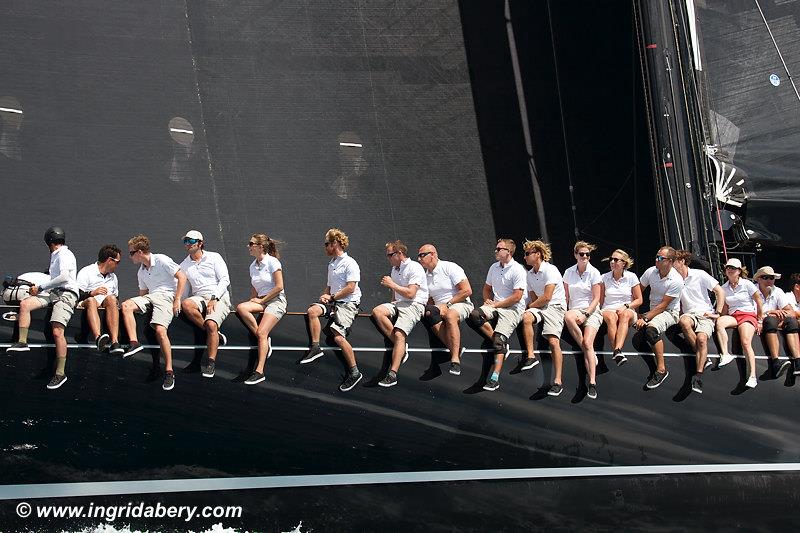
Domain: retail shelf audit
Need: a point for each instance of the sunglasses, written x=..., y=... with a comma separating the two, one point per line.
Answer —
x=132, y=252
x=660, y=258
x=768, y=277
x=191, y=241
x=423, y=254
x=392, y=254
x=616, y=260
x=327, y=244
x=529, y=252
x=501, y=249
x=248, y=244
x=583, y=254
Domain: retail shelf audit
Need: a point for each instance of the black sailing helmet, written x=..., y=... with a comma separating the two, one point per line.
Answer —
x=54, y=235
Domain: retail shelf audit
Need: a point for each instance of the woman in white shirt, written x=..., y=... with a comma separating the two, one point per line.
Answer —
x=621, y=295
x=582, y=287
x=778, y=315
x=266, y=297
x=743, y=310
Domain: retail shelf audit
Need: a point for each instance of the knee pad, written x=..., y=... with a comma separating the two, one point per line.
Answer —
x=476, y=318
x=790, y=325
x=499, y=342
x=651, y=335
x=432, y=315
x=770, y=324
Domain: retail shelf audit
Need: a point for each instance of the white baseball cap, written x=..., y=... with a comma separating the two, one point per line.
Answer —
x=193, y=234
x=733, y=262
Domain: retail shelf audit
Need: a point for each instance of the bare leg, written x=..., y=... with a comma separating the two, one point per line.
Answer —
x=571, y=319
x=611, y=319
x=687, y=328
x=701, y=351
x=558, y=357
x=623, y=325
x=347, y=349
x=92, y=316
x=192, y=312
x=723, y=323
x=452, y=335
x=129, y=321
x=399, y=350
x=314, y=327
x=166, y=347
x=212, y=338
x=528, y=332
x=246, y=311
x=112, y=316
x=746, y=332
x=60, y=339
x=793, y=345
x=268, y=322
x=589, y=356
x=771, y=340
x=658, y=351
x=381, y=314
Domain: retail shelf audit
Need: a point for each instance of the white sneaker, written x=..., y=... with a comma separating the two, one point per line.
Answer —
x=751, y=383
x=724, y=359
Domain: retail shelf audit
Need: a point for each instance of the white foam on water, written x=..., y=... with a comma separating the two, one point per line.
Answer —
x=20, y=447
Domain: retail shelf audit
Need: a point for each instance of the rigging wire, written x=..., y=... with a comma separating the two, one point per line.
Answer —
x=777, y=49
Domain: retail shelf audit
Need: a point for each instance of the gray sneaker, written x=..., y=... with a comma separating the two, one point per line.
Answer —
x=116, y=349
x=57, y=381
x=102, y=342
x=455, y=368
x=210, y=369
x=491, y=385
x=529, y=363
x=18, y=347
x=697, y=384
x=169, y=381
x=782, y=367
x=133, y=347
x=351, y=381
x=314, y=353
x=657, y=379
x=555, y=389
x=389, y=381
x=591, y=391
x=255, y=378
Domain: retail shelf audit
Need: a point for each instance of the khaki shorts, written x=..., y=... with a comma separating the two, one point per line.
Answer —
x=508, y=318
x=407, y=313
x=161, y=304
x=463, y=309
x=552, y=318
x=595, y=320
x=663, y=321
x=701, y=323
x=341, y=316
x=221, y=308
x=63, y=304
x=276, y=307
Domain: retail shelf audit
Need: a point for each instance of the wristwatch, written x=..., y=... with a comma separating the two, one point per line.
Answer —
x=449, y=304
x=627, y=306
x=213, y=299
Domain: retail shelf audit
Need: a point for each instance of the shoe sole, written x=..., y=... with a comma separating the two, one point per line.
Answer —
x=314, y=357
x=551, y=393
x=528, y=367
x=753, y=386
x=657, y=385
x=209, y=374
x=168, y=388
x=129, y=353
x=490, y=389
x=18, y=349
x=103, y=342
x=345, y=389
x=729, y=361
x=455, y=372
x=117, y=351
x=620, y=360
x=698, y=391
x=591, y=396
x=256, y=382
x=382, y=384
x=782, y=370
x=59, y=384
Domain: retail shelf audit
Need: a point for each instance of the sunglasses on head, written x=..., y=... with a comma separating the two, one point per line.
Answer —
x=191, y=241
x=584, y=254
x=423, y=254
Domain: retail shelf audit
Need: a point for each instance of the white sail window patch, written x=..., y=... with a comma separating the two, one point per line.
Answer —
x=181, y=131
x=774, y=79
x=349, y=178
x=11, y=117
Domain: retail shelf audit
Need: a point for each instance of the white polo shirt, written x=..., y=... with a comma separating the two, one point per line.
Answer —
x=694, y=296
x=504, y=280
x=618, y=292
x=791, y=299
x=411, y=273
x=580, y=285
x=342, y=270
x=776, y=300
x=208, y=276
x=63, y=268
x=261, y=274
x=669, y=285
x=160, y=277
x=442, y=281
x=740, y=298
x=548, y=274
x=89, y=278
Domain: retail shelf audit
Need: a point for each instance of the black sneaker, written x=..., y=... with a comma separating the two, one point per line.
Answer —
x=102, y=342
x=223, y=339
x=796, y=366
x=133, y=347
x=405, y=357
x=254, y=379
x=529, y=363
x=210, y=369
x=591, y=391
x=389, y=381
x=657, y=379
x=619, y=357
x=351, y=381
x=314, y=353
x=697, y=384
x=491, y=384
x=18, y=347
x=116, y=349
x=781, y=367
x=455, y=368
x=555, y=389
x=57, y=381
x=169, y=381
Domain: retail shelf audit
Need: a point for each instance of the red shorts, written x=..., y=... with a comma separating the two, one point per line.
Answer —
x=742, y=317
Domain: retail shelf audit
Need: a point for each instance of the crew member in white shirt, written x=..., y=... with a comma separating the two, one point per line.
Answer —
x=583, y=287
x=698, y=314
x=778, y=315
x=339, y=304
x=744, y=311
x=99, y=288
x=161, y=285
x=448, y=303
x=62, y=297
x=547, y=304
x=210, y=300
x=266, y=297
x=503, y=305
x=621, y=297
x=410, y=293
x=665, y=290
